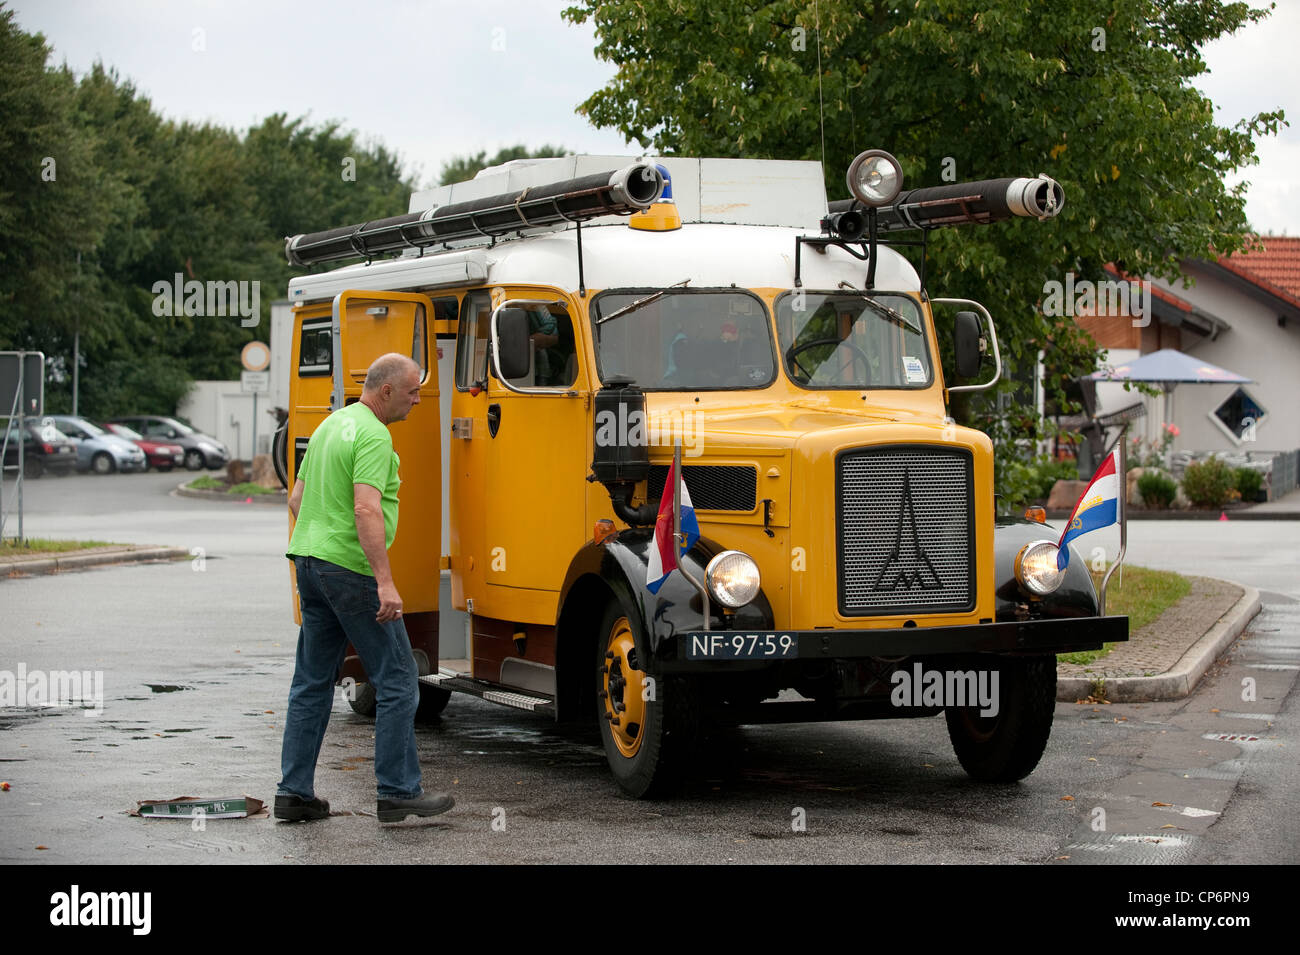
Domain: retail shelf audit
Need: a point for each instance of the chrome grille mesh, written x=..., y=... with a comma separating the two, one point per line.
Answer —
x=906, y=537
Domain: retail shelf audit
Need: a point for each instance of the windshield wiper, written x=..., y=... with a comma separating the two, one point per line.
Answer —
x=618, y=313
x=883, y=310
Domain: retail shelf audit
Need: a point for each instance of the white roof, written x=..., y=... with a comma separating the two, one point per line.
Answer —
x=617, y=256
x=740, y=191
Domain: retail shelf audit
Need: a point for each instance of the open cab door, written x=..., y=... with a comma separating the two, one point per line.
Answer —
x=339, y=349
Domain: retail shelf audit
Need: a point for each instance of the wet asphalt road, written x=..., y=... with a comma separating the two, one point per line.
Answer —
x=197, y=655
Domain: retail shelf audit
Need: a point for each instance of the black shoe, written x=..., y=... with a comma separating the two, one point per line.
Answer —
x=426, y=804
x=296, y=809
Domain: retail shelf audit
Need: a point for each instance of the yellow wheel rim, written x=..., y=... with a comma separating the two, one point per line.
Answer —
x=623, y=684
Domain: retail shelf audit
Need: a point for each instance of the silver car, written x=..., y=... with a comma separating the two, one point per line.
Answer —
x=98, y=450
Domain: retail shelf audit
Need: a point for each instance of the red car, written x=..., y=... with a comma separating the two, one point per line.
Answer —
x=157, y=454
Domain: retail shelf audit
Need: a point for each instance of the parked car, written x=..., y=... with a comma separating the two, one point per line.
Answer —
x=98, y=450
x=158, y=454
x=45, y=449
x=201, y=450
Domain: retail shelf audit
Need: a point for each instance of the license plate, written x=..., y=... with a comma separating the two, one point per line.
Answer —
x=741, y=646
x=65, y=450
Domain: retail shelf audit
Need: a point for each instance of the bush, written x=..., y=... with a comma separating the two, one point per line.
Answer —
x=1249, y=481
x=1157, y=489
x=1209, y=483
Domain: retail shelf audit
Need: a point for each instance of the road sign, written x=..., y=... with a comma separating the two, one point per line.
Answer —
x=256, y=356
x=258, y=382
x=33, y=368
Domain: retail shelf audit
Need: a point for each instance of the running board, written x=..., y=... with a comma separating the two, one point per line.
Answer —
x=451, y=680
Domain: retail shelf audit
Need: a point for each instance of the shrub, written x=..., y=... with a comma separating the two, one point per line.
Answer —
x=1249, y=481
x=1157, y=489
x=1209, y=483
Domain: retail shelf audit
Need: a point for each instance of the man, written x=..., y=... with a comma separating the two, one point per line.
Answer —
x=345, y=506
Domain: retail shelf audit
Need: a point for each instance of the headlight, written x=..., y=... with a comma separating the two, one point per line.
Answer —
x=732, y=578
x=209, y=448
x=875, y=178
x=1036, y=568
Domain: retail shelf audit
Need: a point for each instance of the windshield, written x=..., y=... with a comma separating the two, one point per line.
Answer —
x=180, y=426
x=685, y=340
x=852, y=340
x=123, y=431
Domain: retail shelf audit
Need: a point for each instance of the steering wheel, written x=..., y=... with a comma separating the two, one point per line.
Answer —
x=856, y=354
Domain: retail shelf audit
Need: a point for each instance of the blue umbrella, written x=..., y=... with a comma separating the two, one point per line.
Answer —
x=1169, y=368
x=1172, y=367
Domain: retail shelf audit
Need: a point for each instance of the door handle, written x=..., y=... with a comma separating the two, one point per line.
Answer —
x=493, y=419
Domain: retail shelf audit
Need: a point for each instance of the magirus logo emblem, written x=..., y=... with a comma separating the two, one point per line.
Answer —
x=907, y=567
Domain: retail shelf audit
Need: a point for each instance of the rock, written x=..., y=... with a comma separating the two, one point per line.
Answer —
x=1065, y=494
x=1132, y=496
x=264, y=472
x=236, y=473
x=1181, y=503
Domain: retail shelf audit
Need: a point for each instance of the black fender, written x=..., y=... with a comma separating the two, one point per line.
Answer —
x=617, y=567
x=1076, y=597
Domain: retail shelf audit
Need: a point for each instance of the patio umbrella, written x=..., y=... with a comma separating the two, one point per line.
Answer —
x=1169, y=368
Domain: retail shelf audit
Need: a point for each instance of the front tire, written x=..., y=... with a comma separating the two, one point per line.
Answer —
x=194, y=459
x=433, y=700
x=647, y=722
x=102, y=463
x=1006, y=746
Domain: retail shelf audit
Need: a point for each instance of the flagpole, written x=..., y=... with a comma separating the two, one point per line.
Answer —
x=1123, y=515
x=678, y=540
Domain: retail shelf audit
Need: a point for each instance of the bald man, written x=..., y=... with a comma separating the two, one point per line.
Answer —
x=345, y=505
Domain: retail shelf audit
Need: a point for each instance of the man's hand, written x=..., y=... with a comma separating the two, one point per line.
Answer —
x=368, y=509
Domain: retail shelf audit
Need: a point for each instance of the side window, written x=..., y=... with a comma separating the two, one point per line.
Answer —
x=472, y=340
x=316, y=350
x=554, y=359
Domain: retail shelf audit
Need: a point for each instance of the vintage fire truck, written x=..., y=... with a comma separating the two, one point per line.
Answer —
x=595, y=317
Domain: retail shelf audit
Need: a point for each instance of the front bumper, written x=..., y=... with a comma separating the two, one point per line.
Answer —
x=707, y=651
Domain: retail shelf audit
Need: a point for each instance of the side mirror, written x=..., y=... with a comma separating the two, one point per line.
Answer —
x=967, y=334
x=513, y=351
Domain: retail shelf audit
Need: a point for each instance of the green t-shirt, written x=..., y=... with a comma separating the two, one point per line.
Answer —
x=349, y=447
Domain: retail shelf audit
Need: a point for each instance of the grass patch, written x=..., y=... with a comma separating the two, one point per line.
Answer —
x=250, y=488
x=1143, y=596
x=9, y=547
x=207, y=483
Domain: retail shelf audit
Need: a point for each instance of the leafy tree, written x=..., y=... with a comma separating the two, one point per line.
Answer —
x=461, y=168
x=1098, y=98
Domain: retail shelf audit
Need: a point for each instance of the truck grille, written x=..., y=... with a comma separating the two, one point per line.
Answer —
x=906, y=534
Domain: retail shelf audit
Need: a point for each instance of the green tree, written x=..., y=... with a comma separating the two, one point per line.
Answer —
x=461, y=168
x=1098, y=98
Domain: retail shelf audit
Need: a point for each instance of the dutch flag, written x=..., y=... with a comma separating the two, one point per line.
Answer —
x=1097, y=508
x=663, y=556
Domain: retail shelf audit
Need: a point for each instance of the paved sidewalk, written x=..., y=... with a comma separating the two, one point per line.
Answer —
x=1165, y=659
x=55, y=561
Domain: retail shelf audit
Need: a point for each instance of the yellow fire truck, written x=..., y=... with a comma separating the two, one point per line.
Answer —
x=582, y=320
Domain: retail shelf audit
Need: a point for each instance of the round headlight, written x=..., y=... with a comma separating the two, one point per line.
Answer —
x=1036, y=568
x=732, y=578
x=875, y=177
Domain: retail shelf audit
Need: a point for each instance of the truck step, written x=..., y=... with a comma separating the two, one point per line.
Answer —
x=451, y=680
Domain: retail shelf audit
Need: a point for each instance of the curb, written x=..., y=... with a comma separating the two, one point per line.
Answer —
x=1246, y=514
x=75, y=561
x=226, y=498
x=1179, y=682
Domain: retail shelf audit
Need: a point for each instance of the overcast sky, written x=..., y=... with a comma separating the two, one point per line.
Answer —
x=433, y=79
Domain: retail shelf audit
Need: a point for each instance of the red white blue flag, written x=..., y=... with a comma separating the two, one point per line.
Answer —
x=663, y=555
x=1097, y=508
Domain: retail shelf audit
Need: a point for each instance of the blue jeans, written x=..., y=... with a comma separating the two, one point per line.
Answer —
x=339, y=606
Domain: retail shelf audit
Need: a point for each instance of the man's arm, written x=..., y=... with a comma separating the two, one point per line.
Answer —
x=370, y=532
x=295, y=499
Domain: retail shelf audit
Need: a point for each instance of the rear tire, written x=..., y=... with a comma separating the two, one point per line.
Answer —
x=1007, y=746
x=649, y=746
x=33, y=467
x=433, y=700
x=362, y=700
